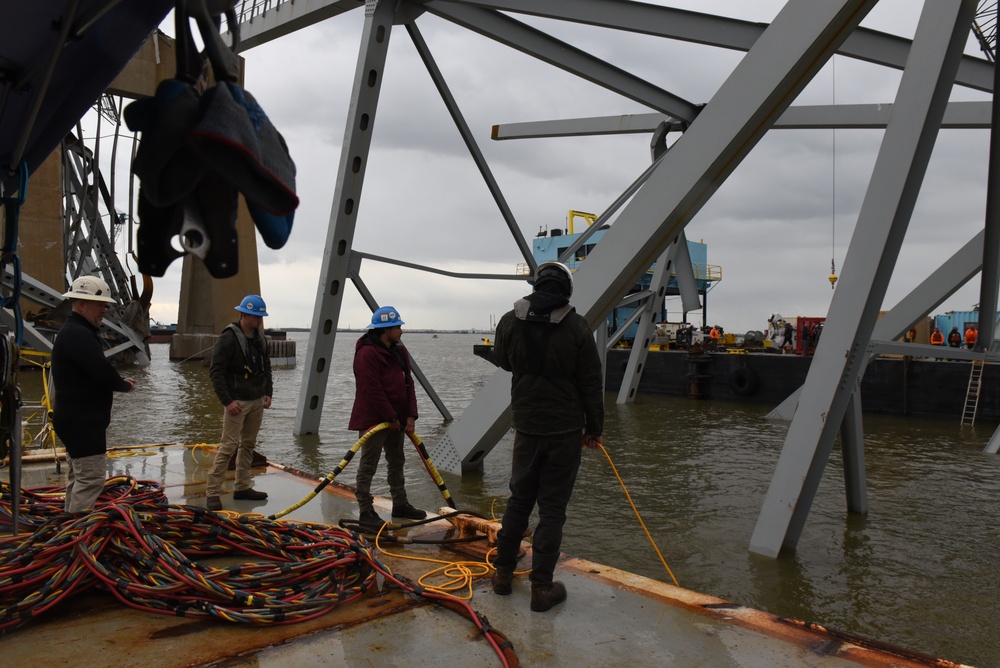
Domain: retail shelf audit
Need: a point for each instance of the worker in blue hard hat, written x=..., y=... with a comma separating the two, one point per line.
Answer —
x=383, y=392
x=241, y=378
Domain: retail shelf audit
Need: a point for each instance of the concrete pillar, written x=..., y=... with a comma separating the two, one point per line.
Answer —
x=40, y=230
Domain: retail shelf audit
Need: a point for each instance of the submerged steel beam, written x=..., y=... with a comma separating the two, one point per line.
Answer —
x=838, y=364
x=648, y=311
x=379, y=16
x=990, y=279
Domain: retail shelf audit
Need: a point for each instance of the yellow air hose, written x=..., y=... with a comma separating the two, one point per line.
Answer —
x=421, y=450
x=641, y=523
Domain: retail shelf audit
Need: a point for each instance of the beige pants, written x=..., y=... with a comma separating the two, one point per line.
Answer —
x=86, y=482
x=239, y=435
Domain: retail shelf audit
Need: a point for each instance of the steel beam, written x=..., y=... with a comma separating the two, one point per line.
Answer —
x=838, y=364
x=537, y=44
x=723, y=32
x=959, y=115
x=261, y=22
x=647, y=326
x=470, y=144
x=344, y=213
x=780, y=64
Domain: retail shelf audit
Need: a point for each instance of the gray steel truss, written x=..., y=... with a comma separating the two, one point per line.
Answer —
x=836, y=370
x=343, y=216
x=89, y=249
x=781, y=59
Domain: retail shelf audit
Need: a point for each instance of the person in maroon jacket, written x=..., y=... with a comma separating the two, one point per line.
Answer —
x=383, y=392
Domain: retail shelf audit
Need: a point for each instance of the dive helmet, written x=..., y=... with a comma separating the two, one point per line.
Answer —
x=555, y=271
x=387, y=316
x=252, y=305
x=90, y=288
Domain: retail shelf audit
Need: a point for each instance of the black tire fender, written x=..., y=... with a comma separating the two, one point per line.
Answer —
x=744, y=381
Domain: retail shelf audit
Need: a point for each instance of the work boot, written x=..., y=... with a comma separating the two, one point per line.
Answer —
x=249, y=494
x=213, y=503
x=502, y=580
x=369, y=519
x=407, y=511
x=545, y=595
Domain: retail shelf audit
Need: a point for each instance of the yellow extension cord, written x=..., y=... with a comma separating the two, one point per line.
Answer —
x=459, y=575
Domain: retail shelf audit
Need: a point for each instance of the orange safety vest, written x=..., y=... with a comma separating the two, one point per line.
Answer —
x=937, y=339
x=714, y=333
x=970, y=336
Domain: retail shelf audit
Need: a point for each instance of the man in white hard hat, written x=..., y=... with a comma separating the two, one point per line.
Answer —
x=241, y=378
x=84, y=382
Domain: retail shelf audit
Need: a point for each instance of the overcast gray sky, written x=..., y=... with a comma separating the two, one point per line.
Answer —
x=772, y=227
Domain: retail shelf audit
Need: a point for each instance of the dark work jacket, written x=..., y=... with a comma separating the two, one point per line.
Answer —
x=84, y=384
x=383, y=384
x=558, y=383
x=234, y=374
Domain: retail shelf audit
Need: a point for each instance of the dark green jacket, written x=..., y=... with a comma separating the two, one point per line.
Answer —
x=558, y=383
x=239, y=375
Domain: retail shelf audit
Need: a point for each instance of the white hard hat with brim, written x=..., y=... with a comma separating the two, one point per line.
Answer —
x=90, y=288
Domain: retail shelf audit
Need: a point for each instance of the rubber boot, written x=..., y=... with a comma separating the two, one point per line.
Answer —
x=502, y=581
x=545, y=595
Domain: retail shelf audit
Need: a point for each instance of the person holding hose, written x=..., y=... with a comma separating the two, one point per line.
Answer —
x=383, y=392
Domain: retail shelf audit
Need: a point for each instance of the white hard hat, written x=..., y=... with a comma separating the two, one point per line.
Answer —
x=555, y=271
x=91, y=288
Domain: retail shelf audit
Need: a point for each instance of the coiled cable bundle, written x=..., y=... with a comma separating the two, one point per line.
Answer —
x=146, y=556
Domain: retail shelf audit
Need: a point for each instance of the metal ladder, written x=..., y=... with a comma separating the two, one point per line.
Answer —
x=972, y=395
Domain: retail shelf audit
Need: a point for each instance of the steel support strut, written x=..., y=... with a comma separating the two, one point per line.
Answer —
x=838, y=364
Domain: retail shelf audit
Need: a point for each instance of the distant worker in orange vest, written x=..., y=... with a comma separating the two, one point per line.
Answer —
x=937, y=338
x=714, y=335
x=971, y=334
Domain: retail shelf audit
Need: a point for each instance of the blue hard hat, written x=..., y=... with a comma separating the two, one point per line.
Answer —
x=387, y=316
x=252, y=305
